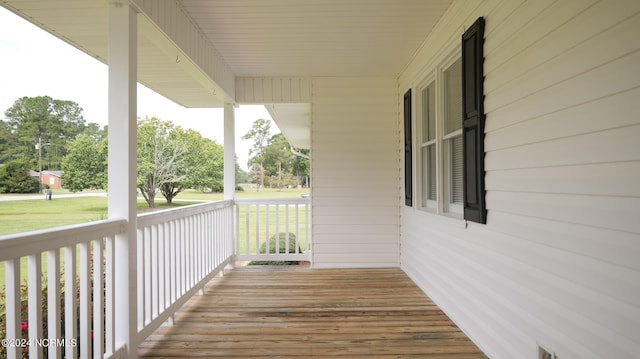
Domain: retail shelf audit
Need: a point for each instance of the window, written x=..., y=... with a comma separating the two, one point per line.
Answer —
x=451, y=133
x=441, y=149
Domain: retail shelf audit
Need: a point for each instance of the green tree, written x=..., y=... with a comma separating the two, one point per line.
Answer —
x=207, y=167
x=259, y=133
x=277, y=160
x=241, y=175
x=85, y=165
x=301, y=168
x=15, y=178
x=43, y=120
x=7, y=141
x=277, y=155
x=282, y=167
x=94, y=130
x=159, y=157
x=201, y=166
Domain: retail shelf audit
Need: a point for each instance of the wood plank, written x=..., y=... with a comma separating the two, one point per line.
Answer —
x=292, y=312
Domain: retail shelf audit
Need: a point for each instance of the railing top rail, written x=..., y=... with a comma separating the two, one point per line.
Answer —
x=26, y=243
x=306, y=200
x=166, y=215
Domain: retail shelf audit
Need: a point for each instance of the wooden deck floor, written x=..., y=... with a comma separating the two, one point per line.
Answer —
x=275, y=312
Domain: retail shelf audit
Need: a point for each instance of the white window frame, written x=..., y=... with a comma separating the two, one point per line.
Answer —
x=443, y=204
x=425, y=203
x=455, y=209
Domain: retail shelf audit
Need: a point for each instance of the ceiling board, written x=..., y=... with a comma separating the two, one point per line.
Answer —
x=316, y=38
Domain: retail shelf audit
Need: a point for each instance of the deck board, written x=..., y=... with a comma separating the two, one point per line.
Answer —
x=289, y=312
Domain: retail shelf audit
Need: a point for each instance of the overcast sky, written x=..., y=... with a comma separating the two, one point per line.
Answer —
x=35, y=63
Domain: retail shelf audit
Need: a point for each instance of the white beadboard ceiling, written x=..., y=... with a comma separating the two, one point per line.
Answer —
x=316, y=37
x=254, y=38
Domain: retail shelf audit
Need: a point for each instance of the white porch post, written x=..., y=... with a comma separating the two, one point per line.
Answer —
x=229, y=152
x=122, y=167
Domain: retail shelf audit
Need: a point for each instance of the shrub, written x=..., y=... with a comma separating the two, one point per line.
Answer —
x=217, y=187
x=15, y=178
x=282, y=245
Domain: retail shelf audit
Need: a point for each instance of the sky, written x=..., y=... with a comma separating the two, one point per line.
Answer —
x=35, y=63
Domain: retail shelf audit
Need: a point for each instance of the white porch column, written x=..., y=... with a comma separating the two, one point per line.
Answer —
x=122, y=167
x=229, y=152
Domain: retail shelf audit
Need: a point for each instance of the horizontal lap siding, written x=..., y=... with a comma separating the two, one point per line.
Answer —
x=558, y=262
x=355, y=146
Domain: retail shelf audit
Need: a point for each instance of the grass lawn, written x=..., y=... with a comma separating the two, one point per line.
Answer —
x=275, y=226
x=29, y=215
x=34, y=214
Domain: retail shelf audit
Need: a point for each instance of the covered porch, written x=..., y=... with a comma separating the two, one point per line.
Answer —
x=111, y=284
x=548, y=267
x=192, y=298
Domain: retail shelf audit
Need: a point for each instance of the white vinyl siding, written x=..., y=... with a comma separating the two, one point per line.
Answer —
x=558, y=262
x=356, y=151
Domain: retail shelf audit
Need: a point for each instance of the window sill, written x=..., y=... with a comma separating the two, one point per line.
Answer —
x=453, y=219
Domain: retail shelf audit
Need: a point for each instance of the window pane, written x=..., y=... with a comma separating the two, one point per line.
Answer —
x=457, y=194
x=424, y=174
x=429, y=113
x=429, y=174
x=432, y=173
x=453, y=98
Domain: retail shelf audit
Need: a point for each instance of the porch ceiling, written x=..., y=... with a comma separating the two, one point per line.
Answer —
x=254, y=38
x=316, y=38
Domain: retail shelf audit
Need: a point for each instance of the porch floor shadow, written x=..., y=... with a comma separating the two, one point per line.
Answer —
x=297, y=312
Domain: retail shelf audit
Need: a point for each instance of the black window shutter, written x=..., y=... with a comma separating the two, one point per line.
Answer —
x=473, y=122
x=408, y=152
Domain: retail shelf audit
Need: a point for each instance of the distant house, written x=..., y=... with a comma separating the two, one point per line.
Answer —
x=51, y=178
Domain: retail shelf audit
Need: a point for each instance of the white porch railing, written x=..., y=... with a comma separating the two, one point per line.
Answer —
x=260, y=222
x=78, y=290
x=178, y=251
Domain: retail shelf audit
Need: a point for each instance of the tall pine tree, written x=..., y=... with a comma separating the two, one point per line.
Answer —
x=41, y=121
